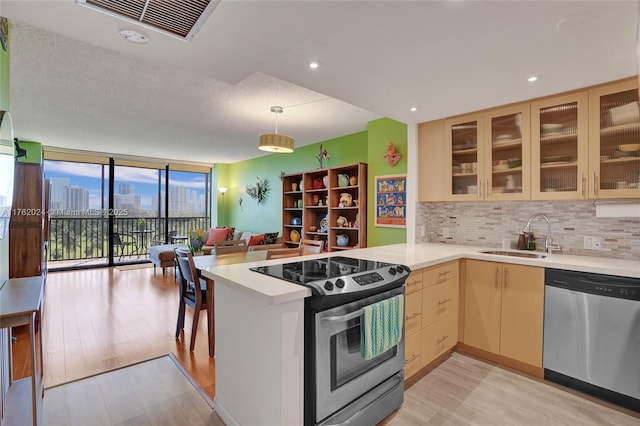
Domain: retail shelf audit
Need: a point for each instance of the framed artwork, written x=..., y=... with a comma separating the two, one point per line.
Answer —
x=391, y=200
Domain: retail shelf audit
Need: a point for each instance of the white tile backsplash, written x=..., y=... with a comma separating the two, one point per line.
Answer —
x=487, y=223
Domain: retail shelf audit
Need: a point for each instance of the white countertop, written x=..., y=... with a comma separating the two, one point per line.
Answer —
x=416, y=256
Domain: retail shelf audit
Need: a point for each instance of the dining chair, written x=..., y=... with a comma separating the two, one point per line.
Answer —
x=284, y=252
x=123, y=241
x=192, y=292
x=311, y=246
x=230, y=246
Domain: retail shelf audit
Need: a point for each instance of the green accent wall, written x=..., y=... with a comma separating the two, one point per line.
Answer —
x=368, y=147
x=267, y=217
x=381, y=132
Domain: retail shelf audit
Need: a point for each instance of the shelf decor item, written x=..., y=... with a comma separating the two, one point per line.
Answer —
x=260, y=191
x=392, y=156
x=324, y=155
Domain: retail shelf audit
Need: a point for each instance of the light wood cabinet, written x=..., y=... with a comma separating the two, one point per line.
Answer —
x=489, y=154
x=325, y=203
x=412, y=322
x=565, y=146
x=504, y=305
x=614, y=121
x=560, y=147
x=431, y=315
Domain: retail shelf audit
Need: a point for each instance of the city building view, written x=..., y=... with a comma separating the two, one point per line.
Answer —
x=87, y=224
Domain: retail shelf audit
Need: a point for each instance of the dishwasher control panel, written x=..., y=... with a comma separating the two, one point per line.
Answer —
x=599, y=284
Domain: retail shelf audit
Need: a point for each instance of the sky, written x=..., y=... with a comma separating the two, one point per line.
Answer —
x=89, y=176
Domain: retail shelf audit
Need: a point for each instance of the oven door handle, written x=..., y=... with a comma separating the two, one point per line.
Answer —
x=343, y=318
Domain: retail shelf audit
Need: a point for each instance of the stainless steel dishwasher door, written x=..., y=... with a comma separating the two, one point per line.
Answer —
x=593, y=338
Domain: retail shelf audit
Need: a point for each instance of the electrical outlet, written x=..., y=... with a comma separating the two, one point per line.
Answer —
x=592, y=243
x=421, y=230
x=445, y=232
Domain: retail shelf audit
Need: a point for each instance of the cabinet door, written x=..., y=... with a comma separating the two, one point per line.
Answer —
x=614, y=133
x=432, y=170
x=507, y=161
x=412, y=355
x=560, y=147
x=464, y=136
x=522, y=313
x=482, y=305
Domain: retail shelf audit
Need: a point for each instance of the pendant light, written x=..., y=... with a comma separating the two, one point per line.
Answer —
x=275, y=142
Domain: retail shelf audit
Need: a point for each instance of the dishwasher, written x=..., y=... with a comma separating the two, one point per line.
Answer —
x=592, y=335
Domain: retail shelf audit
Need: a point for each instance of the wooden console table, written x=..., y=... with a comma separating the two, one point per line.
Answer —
x=21, y=302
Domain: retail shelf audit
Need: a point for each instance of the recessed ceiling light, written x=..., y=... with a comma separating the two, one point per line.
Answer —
x=134, y=36
x=413, y=109
x=532, y=79
x=313, y=65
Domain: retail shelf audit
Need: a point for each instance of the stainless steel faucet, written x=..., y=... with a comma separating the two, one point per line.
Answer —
x=549, y=244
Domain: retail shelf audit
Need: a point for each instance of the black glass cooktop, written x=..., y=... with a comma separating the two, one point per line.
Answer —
x=306, y=271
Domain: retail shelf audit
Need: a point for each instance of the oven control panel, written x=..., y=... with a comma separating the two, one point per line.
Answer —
x=361, y=281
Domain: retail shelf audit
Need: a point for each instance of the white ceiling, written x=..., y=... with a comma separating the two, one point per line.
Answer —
x=76, y=84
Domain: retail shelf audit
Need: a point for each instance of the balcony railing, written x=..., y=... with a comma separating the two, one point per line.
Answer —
x=87, y=238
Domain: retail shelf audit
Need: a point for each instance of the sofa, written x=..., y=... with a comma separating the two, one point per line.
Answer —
x=162, y=255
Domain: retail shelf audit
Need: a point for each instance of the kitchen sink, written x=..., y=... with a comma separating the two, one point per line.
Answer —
x=517, y=254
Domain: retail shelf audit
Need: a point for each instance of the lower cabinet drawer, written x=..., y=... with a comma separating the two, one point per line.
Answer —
x=411, y=354
x=438, y=337
x=439, y=301
x=413, y=312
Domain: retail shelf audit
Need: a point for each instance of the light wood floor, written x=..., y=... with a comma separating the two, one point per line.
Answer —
x=154, y=392
x=100, y=319
x=97, y=320
x=465, y=391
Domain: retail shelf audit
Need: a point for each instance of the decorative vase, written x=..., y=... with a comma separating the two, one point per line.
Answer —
x=294, y=235
x=342, y=240
x=343, y=180
x=294, y=186
x=353, y=180
x=325, y=181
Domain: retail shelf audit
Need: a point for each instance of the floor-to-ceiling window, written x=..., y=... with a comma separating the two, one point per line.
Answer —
x=105, y=211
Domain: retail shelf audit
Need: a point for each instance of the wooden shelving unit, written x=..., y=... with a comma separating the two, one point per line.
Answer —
x=319, y=192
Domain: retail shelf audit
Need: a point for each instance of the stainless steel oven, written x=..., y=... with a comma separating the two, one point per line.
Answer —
x=340, y=387
x=350, y=389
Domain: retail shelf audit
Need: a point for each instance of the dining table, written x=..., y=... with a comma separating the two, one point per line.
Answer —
x=212, y=260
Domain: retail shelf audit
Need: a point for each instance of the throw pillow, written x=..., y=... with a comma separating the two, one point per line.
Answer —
x=231, y=233
x=256, y=240
x=270, y=237
x=216, y=234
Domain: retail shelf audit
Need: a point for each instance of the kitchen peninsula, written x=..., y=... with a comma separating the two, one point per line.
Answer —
x=260, y=325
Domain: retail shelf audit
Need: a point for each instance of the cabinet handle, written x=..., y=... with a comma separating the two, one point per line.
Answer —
x=506, y=277
x=441, y=280
x=497, y=284
x=413, y=316
x=443, y=301
x=594, y=183
x=411, y=359
x=441, y=339
x=583, y=181
x=445, y=272
x=487, y=187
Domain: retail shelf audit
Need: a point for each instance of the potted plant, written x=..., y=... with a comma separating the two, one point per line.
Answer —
x=142, y=224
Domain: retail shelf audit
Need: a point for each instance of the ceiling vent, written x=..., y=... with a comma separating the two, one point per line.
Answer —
x=178, y=18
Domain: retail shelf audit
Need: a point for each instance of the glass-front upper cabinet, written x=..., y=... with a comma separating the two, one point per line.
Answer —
x=560, y=147
x=507, y=153
x=465, y=145
x=614, y=141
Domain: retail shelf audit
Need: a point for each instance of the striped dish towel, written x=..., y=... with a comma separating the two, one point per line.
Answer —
x=381, y=326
